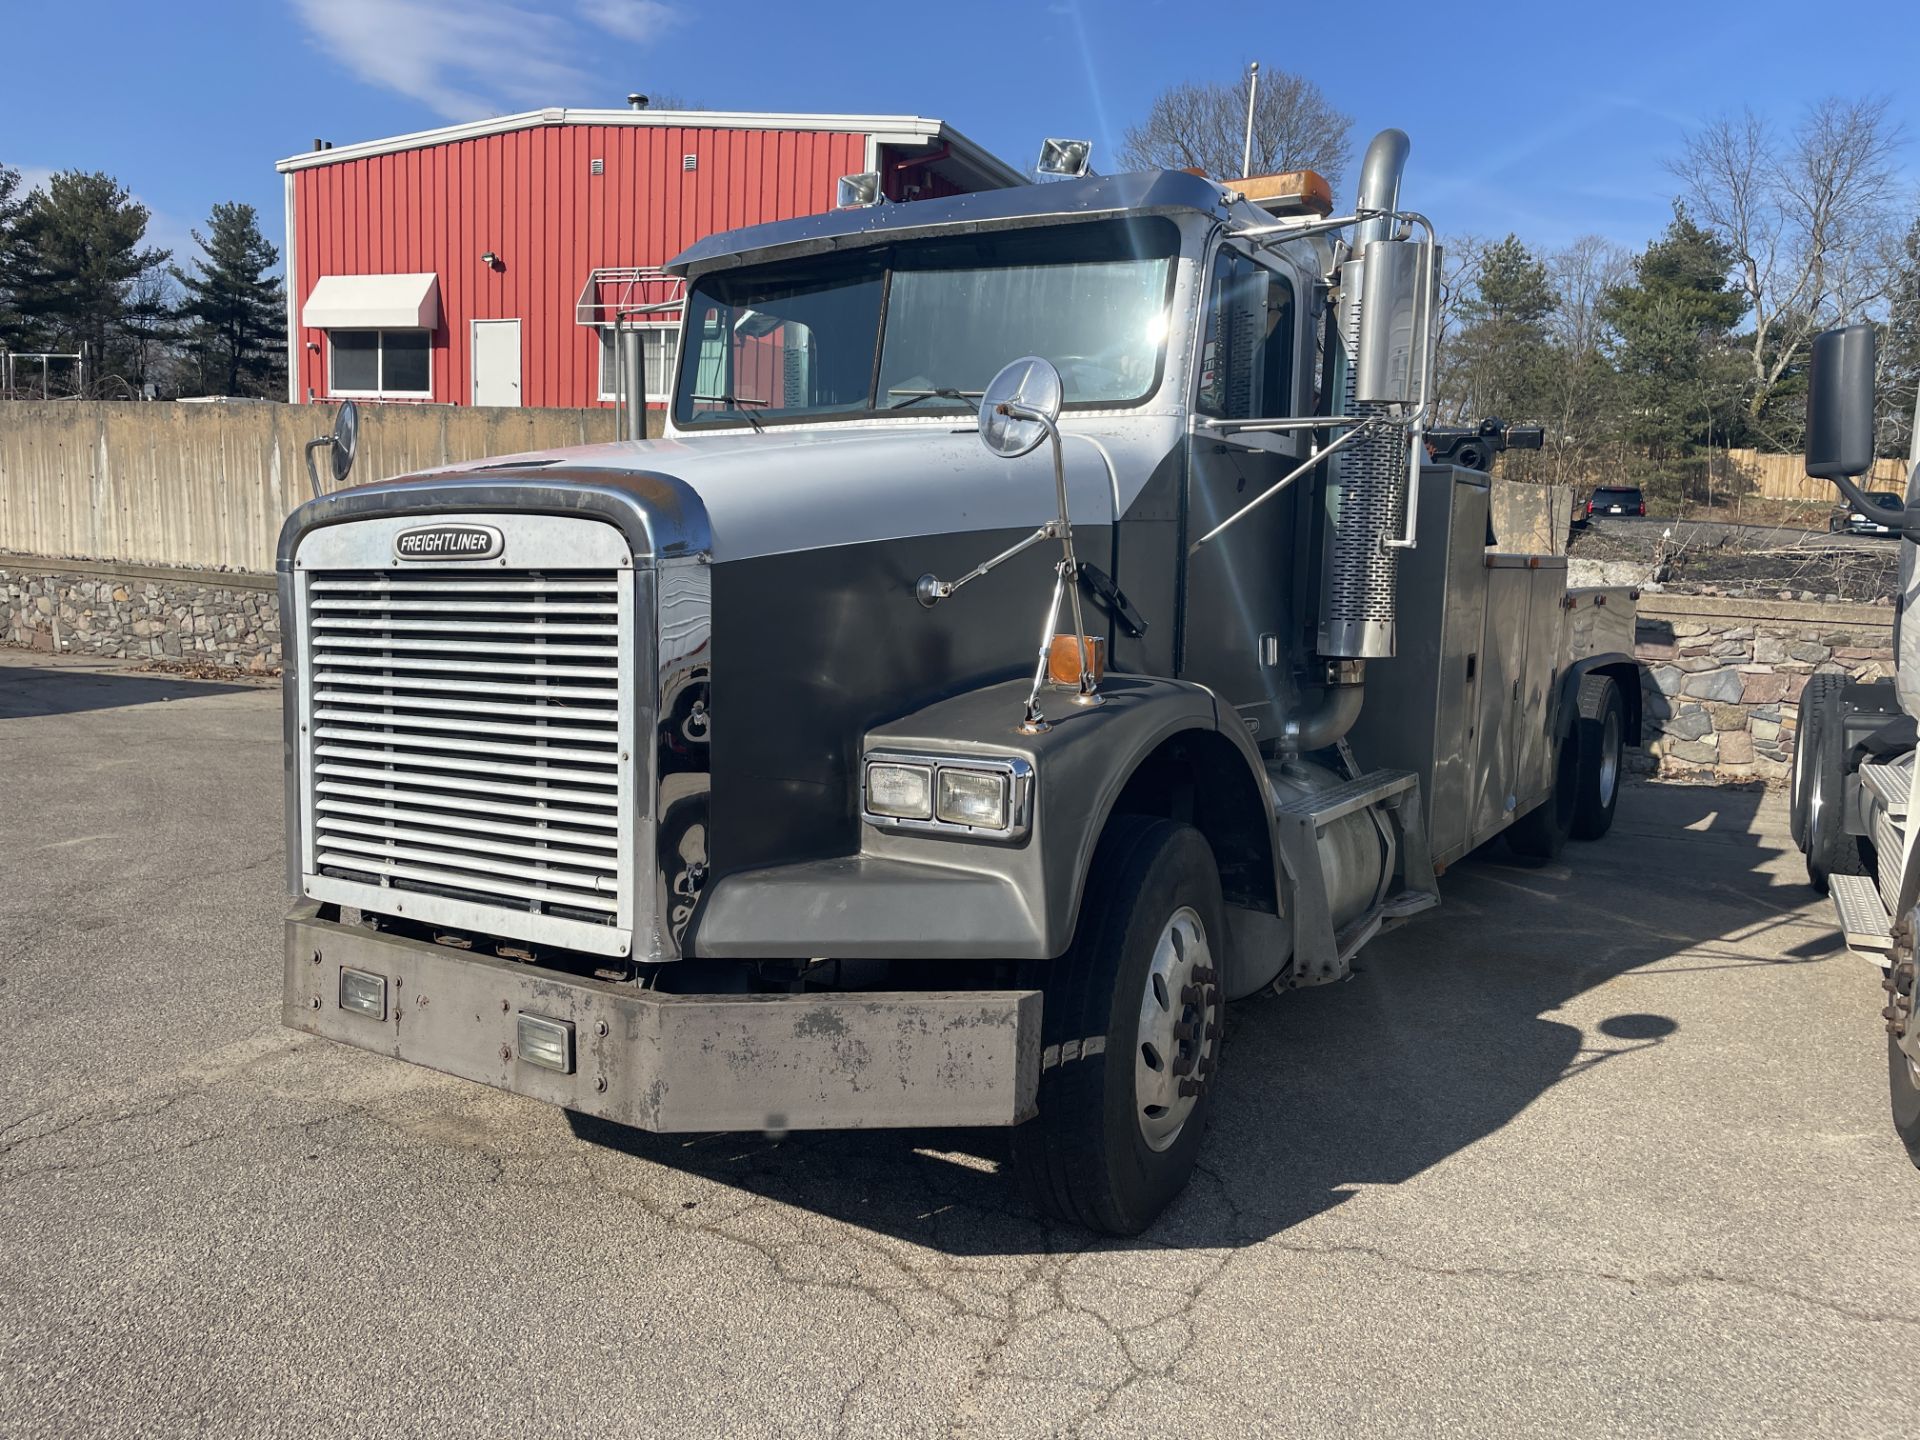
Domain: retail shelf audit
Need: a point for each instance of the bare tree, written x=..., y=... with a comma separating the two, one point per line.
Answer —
x=1462, y=258
x=1204, y=125
x=1578, y=386
x=1805, y=216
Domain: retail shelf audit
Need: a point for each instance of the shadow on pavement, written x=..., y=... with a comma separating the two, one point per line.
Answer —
x=1445, y=1035
x=27, y=690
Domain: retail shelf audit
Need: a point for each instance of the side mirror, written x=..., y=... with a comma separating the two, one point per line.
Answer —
x=340, y=443
x=346, y=440
x=1019, y=407
x=1840, y=404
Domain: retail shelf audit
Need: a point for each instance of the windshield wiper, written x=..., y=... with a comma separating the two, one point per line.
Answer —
x=914, y=397
x=738, y=404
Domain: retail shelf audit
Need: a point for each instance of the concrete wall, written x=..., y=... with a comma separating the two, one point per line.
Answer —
x=208, y=485
x=1723, y=676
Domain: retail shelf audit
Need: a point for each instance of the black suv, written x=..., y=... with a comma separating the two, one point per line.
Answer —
x=1616, y=500
x=1865, y=522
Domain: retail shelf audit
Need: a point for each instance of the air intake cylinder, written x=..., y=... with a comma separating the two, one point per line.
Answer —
x=1369, y=474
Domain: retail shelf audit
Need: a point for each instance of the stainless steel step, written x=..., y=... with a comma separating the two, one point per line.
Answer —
x=1326, y=806
x=1863, y=919
x=1892, y=783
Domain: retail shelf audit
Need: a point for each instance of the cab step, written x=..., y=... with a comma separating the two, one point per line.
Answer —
x=1892, y=783
x=1863, y=919
x=1392, y=798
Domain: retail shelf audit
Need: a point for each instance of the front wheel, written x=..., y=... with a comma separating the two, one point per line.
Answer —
x=1131, y=1024
x=1830, y=849
x=1806, y=745
x=1903, y=1085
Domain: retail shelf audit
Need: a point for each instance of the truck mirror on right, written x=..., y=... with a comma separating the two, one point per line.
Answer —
x=1840, y=404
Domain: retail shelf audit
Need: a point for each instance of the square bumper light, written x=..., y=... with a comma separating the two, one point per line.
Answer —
x=543, y=1042
x=974, y=798
x=363, y=993
x=900, y=792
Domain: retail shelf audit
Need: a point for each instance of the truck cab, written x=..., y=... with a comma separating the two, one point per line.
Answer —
x=1036, y=628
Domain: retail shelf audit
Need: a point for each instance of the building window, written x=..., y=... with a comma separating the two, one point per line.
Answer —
x=380, y=363
x=659, y=345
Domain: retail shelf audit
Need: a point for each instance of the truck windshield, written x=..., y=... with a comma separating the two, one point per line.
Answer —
x=925, y=324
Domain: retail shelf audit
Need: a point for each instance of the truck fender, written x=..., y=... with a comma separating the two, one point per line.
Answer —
x=1625, y=673
x=1157, y=746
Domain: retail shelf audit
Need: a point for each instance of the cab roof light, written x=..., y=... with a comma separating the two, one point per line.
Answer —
x=1292, y=192
x=1065, y=157
x=855, y=192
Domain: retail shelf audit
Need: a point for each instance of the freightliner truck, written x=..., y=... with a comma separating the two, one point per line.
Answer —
x=1040, y=624
x=1853, y=795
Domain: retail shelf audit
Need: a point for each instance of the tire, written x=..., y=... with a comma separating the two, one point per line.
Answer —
x=1903, y=1081
x=1601, y=725
x=1805, y=745
x=1541, y=833
x=1152, y=933
x=1830, y=849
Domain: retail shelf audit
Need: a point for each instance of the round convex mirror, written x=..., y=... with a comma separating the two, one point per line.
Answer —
x=346, y=439
x=1030, y=384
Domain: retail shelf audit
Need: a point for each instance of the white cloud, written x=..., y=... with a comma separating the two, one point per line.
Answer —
x=638, y=20
x=469, y=58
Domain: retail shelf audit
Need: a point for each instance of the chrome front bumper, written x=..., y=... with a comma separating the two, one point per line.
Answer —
x=678, y=1062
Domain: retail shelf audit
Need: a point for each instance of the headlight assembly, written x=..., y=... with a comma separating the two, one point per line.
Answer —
x=986, y=797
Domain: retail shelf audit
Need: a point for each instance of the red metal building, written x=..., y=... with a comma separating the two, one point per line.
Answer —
x=485, y=263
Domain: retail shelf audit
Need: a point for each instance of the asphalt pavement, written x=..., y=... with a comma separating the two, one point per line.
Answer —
x=1597, y=1148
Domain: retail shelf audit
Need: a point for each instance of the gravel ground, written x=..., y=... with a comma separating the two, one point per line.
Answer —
x=1597, y=1148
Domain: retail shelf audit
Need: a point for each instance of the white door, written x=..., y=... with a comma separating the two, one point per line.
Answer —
x=496, y=362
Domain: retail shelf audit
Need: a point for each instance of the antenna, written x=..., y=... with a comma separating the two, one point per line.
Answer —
x=1253, y=89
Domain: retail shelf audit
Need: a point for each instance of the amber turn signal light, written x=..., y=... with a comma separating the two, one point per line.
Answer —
x=1063, y=660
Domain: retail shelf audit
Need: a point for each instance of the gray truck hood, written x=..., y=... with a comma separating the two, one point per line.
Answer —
x=790, y=490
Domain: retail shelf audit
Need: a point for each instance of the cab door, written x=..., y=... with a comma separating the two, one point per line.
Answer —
x=1237, y=621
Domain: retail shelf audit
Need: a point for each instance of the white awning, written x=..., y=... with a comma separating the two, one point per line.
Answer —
x=373, y=302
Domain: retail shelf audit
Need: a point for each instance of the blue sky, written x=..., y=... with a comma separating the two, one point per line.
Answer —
x=1549, y=120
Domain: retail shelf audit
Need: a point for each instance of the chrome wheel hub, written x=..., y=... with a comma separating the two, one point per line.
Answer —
x=1179, y=1037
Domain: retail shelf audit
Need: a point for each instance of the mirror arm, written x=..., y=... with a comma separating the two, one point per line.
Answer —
x=930, y=589
x=313, y=471
x=1067, y=578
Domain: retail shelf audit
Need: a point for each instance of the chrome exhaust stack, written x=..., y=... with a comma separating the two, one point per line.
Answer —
x=1368, y=499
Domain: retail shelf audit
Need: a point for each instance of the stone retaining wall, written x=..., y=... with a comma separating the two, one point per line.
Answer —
x=1723, y=676
x=140, y=612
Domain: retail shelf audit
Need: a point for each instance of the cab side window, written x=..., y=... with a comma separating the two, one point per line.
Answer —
x=1246, y=362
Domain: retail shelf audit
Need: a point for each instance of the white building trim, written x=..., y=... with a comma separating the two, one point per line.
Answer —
x=884, y=129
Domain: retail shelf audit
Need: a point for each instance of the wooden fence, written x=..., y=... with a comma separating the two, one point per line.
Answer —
x=1784, y=477
x=208, y=485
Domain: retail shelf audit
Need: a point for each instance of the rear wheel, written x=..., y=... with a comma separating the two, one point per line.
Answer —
x=1830, y=849
x=1542, y=832
x=1805, y=746
x=1131, y=1025
x=1602, y=728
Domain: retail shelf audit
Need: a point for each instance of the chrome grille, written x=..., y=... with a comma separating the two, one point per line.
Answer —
x=466, y=733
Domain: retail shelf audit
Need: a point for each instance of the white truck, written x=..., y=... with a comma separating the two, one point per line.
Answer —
x=911, y=737
x=1853, y=795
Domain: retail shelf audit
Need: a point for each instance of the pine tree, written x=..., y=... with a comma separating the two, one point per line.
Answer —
x=13, y=205
x=234, y=307
x=1501, y=356
x=78, y=260
x=1679, y=375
